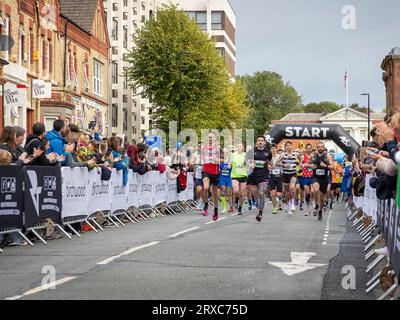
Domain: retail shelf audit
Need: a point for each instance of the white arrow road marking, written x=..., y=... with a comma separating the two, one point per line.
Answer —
x=182, y=232
x=42, y=288
x=299, y=263
x=111, y=259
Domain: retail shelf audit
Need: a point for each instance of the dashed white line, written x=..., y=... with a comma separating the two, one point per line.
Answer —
x=182, y=232
x=111, y=259
x=220, y=219
x=327, y=229
x=42, y=288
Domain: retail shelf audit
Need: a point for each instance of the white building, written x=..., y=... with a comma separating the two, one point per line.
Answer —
x=218, y=19
x=355, y=123
x=129, y=112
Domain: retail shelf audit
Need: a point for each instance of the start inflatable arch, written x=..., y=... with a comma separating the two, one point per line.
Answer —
x=334, y=132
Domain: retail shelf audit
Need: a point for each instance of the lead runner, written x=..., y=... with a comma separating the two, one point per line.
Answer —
x=258, y=161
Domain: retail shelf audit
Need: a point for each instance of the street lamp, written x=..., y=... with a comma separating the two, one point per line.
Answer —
x=180, y=54
x=369, y=114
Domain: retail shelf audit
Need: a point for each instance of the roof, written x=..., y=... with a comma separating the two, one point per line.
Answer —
x=80, y=12
x=298, y=117
x=378, y=116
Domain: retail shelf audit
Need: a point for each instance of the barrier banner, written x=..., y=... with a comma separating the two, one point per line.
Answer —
x=75, y=191
x=172, y=190
x=119, y=192
x=146, y=189
x=42, y=195
x=100, y=193
x=190, y=188
x=11, y=197
x=396, y=251
x=160, y=191
x=386, y=213
x=133, y=195
x=374, y=208
x=379, y=214
x=391, y=226
x=367, y=196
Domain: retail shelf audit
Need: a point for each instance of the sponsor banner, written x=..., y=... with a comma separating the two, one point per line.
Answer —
x=75, y=191
x=396, y=251
x=11, y=197
x=146, y=190
x=160, y=190
x=43, y=195
x=99, y=193
x=386, y=218
x=133, y=193
x=172, y=190
x=14, y=96
x=119, y=192
x=41, y=89
x=190, y=188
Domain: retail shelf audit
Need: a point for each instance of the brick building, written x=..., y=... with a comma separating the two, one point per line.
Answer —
x=391, y=77
x=60, y=42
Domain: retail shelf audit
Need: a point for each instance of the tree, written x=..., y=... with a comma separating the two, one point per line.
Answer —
x=207, y=92
x=269, y=98
x=322, y=107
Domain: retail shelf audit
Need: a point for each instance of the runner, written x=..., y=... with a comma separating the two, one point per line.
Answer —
x=225, y=182
x=239, y=175
x=321, y=165
x=306, y=179
x=210, y=159
x=275, y=179
x=289, y=177
x=198, y=179
x=258, y=179
x=336, y=181
x=299, y=172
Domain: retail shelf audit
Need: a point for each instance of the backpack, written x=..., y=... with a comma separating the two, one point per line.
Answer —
x=182, y=180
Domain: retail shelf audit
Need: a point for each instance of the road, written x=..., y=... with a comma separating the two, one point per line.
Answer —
x=188, y=257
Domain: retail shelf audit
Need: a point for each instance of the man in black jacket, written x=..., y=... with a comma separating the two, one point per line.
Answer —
x=35, y=141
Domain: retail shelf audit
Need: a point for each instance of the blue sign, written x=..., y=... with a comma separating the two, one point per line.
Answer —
x=179, y=144
x=153, y=142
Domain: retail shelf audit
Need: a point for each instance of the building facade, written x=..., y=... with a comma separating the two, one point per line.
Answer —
x=59, y=45
x=129, y=111
x=391, y=78
x=218, y=19
x=355, y=123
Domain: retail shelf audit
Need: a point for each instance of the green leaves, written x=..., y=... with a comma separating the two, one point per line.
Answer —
x=207, y=93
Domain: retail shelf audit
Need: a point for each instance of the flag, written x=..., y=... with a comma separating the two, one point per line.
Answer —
x=346, y=78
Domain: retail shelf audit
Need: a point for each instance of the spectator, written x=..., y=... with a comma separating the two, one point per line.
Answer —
x=34, y=142
x=71, y=158
x=55, y=137
x=120, y=163
x=19, y=140
x=5, y=158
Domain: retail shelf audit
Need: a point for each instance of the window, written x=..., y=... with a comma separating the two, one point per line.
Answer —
x=135, y=116
x=67, y=62
x=134, y=11
x=114, y=115
x=143, y=120
x=115, y=6
x=143, y=107
x=114, y=50
x=115, y=93
x=200, y=18
x=125, y=37
x=125, y=3
x=21, y=45
x=98, y=78
x=134, y=24
x=7, y=33
x=74, y=72
x=134, y=130
x=86, y=76
x=221, y=51
x=125, y=98
x=48, y=57
x=216, y=21
x=114, y=72
x=28, y=50
x=115, y=29
x=125, y=16
x=125, y=122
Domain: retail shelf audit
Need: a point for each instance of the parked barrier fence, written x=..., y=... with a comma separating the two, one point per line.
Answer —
x=378, y=222
x=30, y=196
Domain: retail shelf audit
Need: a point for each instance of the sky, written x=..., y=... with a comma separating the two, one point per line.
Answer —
x=305, y=42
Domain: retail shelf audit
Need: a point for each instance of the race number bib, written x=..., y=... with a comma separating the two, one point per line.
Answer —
x=260, y=164
x=276, y=172
x=320, y=172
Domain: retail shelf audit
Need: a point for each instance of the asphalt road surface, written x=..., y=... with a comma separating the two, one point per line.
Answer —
x=188, y=257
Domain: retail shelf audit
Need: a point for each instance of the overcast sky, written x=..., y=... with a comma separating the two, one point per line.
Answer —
x=303, y=40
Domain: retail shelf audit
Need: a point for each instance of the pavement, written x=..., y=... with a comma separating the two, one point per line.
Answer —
x=189, y=257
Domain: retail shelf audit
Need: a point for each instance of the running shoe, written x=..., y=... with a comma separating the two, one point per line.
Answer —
x=293, y=208
x=316, y=210
x=320, y=215
x=331, y=206
x=215, y=216
x=296, y=202
x=231, y=210
x=205, y=213
x=240, y=213
x=301, y=207
x=224, y=211
x=275, y=211
x=259, y=217
x=250, y=207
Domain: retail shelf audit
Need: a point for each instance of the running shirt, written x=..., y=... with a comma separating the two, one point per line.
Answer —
x=238, y=162
x=210, y=159
x=335, y=174
x=291, y=161
x=261, y=159
x=321, y=172
x=198, y=167
x=225, y=171
x=276, y=163
x=307, y=170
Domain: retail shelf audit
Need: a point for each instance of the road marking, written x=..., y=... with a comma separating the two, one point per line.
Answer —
x=182, y=232
x=42, y=288
x=111, y=259
x=327, y=229
x=220, y=219
x=299, y=263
